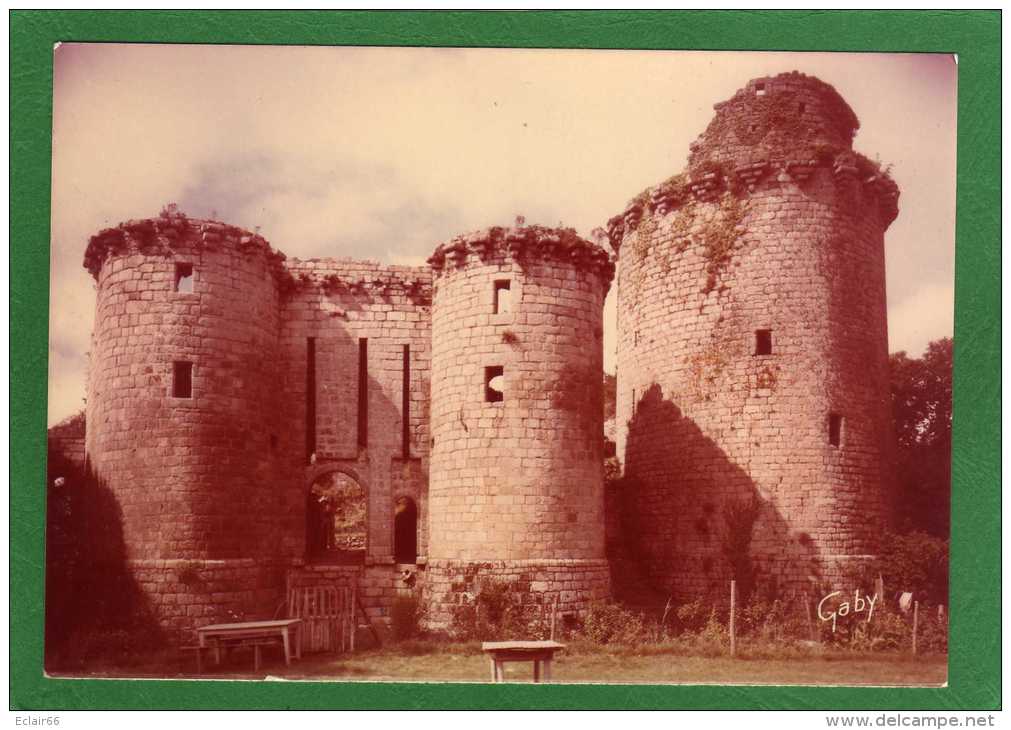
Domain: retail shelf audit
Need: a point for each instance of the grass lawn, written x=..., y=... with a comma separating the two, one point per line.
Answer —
x=423, y=661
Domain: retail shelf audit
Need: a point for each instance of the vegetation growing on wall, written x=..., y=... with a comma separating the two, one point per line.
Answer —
x=720, y=236
x=705, y=367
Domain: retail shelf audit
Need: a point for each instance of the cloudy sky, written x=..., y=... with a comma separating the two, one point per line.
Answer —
x=382, y=153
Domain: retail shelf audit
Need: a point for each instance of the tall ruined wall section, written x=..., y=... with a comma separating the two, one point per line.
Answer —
x=752, y=336
x=189, y=460
x=347, y=328
x=516, y=489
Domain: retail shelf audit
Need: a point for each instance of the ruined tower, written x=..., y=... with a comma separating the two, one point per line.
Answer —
x=181, y=413
x=752, y=403
x=516, y=482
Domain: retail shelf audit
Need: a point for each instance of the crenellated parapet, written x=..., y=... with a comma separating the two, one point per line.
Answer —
x=849, y=171
x=173, y=230
x=525, y=245
x=349, y=278
x=775, y=131
x=752, y=358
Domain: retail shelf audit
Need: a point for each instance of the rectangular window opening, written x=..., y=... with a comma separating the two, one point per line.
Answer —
x=494, y=384
x=835, y=429
x=184, y=278
x=363, y=392
x=182, y=380
x=763, y=342
x=406, y=399
x=760, y=89
x=503, y=297
x=310, y=399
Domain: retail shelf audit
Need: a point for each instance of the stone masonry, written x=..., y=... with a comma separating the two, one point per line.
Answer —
x=752, y=388
x=517, y=483
x=752, y=345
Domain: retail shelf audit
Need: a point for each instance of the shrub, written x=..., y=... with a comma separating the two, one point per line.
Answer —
x=713, y=639
x=610, y=623
x=914, y=562
x=691, y=617
x=496, y=612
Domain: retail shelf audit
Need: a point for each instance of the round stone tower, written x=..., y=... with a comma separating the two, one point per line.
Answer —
x=516, y=476
x=181, y=412
x=753, y=405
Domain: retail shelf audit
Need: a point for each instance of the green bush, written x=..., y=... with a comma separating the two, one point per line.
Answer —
x=610, y=623
x=496, y=612
x=915, y=562
x=691, y=616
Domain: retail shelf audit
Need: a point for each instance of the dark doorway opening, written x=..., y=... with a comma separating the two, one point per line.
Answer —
x=336, y=520
x=405, y=531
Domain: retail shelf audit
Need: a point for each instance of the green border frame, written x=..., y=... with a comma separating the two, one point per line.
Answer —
x=974, y=677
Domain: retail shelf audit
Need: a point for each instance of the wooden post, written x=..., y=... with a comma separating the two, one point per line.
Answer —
x=879, y=588
x=354, y=616
x=554, y=612
x=916, y=621
x=811, y=623
x=733, y=607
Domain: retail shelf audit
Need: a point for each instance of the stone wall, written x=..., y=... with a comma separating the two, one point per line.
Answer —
x=338, y=303
x=194, y=474
x=66, y=441
x=536, y=587
x=377, y=586
x=772, y=230
x=751, y=312
x=520, y=478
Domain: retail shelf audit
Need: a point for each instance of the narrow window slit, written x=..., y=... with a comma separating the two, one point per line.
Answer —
x=494, y=382
x=184, y=278
x=363, y=392
x=182, y=379
x=405, y=395
x=763, y=342
x=310, y=399
x=835, y=422
x=503, y=297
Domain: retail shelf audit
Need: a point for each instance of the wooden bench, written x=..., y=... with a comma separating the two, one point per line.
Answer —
x=257, y=645
x=218, y=636
x=541, y=653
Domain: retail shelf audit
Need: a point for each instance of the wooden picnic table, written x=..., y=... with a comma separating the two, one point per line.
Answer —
x=538, y=652
x=286, y=629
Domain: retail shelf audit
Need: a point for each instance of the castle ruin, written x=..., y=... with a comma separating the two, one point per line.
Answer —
x=233, y=392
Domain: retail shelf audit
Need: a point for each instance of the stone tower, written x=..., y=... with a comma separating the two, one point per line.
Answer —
x=752, y=403
x=181, y=411
x=516, y=482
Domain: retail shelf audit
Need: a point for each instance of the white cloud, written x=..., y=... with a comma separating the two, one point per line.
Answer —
x=927, y=314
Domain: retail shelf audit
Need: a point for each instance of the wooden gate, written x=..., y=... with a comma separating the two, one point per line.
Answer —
x=327, y=614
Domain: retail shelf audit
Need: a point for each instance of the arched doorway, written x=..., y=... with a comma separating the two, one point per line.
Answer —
x=336, y=519
x=405, y=531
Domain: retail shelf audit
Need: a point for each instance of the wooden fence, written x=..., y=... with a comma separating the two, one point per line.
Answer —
x=328, y=616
